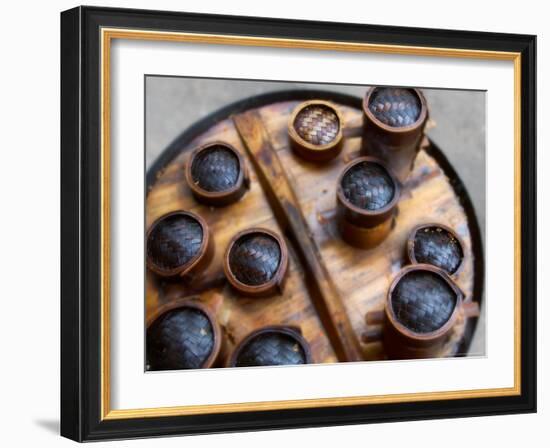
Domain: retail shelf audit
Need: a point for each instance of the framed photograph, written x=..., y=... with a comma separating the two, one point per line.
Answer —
x=277, y=224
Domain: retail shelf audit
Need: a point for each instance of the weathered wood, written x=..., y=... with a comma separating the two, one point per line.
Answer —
x=237, y=315
x=302, y=207
x=363, y=277
x=287, y=209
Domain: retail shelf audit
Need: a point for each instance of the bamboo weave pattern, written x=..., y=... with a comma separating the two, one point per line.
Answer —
x=317, y=124
x=215, y=169
x=254, y=258
x=179, y=339
x=436, y=246
x=422, y=301
x=395, y=107
x=368, y=186
x=271, y=349
x=174, y=241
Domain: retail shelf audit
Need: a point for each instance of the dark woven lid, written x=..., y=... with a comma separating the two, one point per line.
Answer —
x=436, y=246
x=182, y=338
x=174, y=241
x=255, y=258
x=317, y=124
x=422, y=301
x=215, y=168
x=271, y=348
x=368, y=185
x=395, y=107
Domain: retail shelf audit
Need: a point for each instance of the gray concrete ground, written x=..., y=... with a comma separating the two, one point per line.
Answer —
x=173, y=104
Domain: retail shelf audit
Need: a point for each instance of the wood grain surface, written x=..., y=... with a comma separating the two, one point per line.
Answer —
x=330, y=285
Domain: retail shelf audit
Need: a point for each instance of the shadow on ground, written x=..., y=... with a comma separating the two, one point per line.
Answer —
x=49, y=425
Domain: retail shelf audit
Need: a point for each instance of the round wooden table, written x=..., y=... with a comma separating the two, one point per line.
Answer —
x=330, y=285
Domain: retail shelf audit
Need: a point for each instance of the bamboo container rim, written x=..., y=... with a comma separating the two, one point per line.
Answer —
x=398, y=130
x=407, y=332
x=289, y=330
x=277, y=278
x=304, y=143
x=362, y=211
x=186, y=267
x=195, y=303
x=411, y=244
x=214, y=194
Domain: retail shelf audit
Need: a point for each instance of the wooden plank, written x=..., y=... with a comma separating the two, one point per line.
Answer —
x=362, y=278
x=287, y=210
x=284, y=190
x=237, y=315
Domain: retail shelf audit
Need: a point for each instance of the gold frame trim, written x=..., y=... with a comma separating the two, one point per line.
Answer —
x=107, y=35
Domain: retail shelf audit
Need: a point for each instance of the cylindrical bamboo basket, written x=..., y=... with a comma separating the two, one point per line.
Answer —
x=183, y=335
x=422, y=307
x=178, y=244
x=438, y=245
x=393, y=127
x=367, y=194
x=274, y=345
x=315, y=129
x=217, y=174
x=256, y=261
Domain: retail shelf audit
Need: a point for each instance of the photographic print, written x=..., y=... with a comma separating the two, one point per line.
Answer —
x=291, y=223
x=278, y=224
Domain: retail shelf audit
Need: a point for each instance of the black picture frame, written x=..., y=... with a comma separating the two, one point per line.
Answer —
x=81, y=230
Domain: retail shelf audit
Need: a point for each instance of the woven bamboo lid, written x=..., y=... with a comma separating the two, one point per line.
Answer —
x=256, y=261
x=315, y=130
x=216, y=168
x=185, y=337
x=423, y=301
x=395, y=107
x=272, y=346
x=368, y=185
x=437, y=245
x=317, y=124
x=217, y=174
x=367, y=194
x=176, y=242
x=255, y=258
